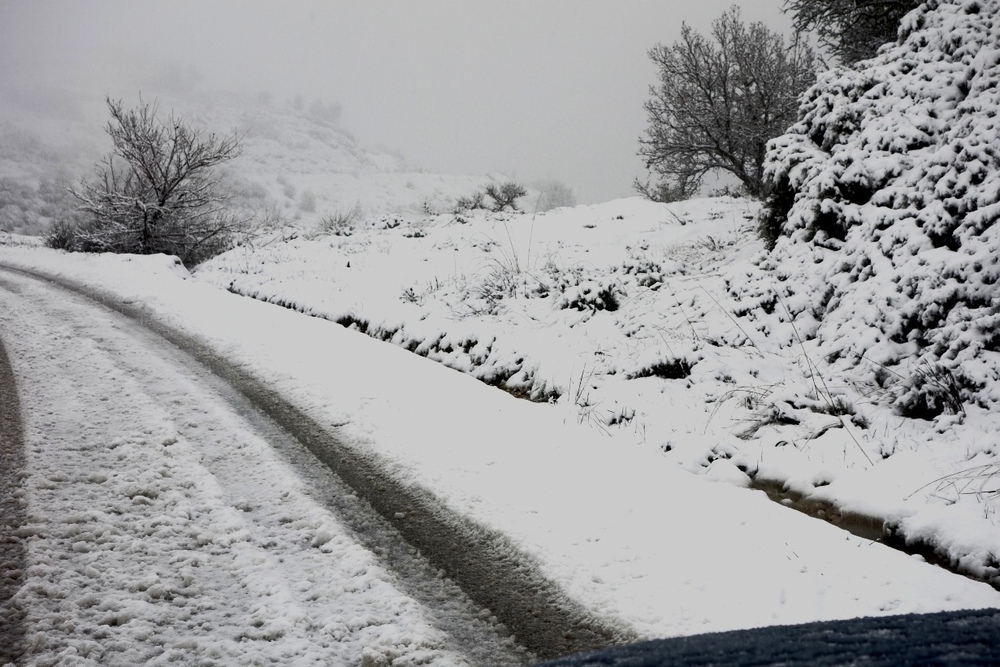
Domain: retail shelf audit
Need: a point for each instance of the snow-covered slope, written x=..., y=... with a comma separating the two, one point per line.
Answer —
x=632, y=317
x=304, y=166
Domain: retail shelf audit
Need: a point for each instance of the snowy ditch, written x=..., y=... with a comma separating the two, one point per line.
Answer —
x=442, y=348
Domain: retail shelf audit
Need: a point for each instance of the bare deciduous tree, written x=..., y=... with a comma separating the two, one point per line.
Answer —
x=718, y=101
x=157, y=191
x=850, y=30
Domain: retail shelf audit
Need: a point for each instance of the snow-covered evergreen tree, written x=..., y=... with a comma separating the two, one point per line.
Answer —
x=886, y=203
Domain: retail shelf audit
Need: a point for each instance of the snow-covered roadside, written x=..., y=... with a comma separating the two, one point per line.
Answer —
x=161, y=527
x=653, y=324
x=624, y=531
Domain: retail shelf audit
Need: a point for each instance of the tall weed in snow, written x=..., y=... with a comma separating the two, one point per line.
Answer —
x=506, y=272
x=980, y=482
x=340, y=222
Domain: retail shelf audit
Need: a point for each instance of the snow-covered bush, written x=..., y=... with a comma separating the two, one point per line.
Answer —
x=885, y=203
x=502, y=196
x=62, y=236
x=474, y=202
x=505, y=195
x=388, y=221
x=590, y=295
x=668, y=368
x=579, y=289
x=644, y=271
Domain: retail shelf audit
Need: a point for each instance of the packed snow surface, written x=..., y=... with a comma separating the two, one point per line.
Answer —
x=656, y=402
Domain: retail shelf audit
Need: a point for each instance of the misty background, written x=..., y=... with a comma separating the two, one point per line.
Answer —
x=530, y=89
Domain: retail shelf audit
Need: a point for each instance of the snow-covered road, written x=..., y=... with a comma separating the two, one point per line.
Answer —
x=167, y=520
x=164, y=520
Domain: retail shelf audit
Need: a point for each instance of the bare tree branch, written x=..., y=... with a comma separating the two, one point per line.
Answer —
x=718, y=101
x=157, y=190
x=850, y=30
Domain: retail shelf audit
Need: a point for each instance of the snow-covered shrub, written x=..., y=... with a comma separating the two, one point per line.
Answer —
x=931, y=391
x=590, y=295
x=505, y=195
x=485, y=294
x=582, y=292
x=645, y=272
x=885, y=202
x=62, y=236
x=391, y=221
x=672, y=368
x=502, y=196
x=474, y=202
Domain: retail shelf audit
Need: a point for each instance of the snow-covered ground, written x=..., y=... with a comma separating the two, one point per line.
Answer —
x=657, y=403
x=633, y=319
x=672, y=369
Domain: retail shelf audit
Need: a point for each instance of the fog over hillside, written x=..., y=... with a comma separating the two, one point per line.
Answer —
x=297, y=165
x=532, y=90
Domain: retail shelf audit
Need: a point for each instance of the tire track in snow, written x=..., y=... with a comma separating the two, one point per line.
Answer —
x=12, y=549
x=474, y=633
x=485, y=564
x=163, y=527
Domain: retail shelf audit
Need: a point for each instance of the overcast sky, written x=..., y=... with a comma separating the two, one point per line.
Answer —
x=532, y=88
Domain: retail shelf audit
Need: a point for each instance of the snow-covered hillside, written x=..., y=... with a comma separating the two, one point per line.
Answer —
x=303, y=166
x=298, y=164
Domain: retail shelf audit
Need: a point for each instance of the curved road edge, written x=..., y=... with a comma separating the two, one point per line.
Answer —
x=483, y=562
x=13, y=552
